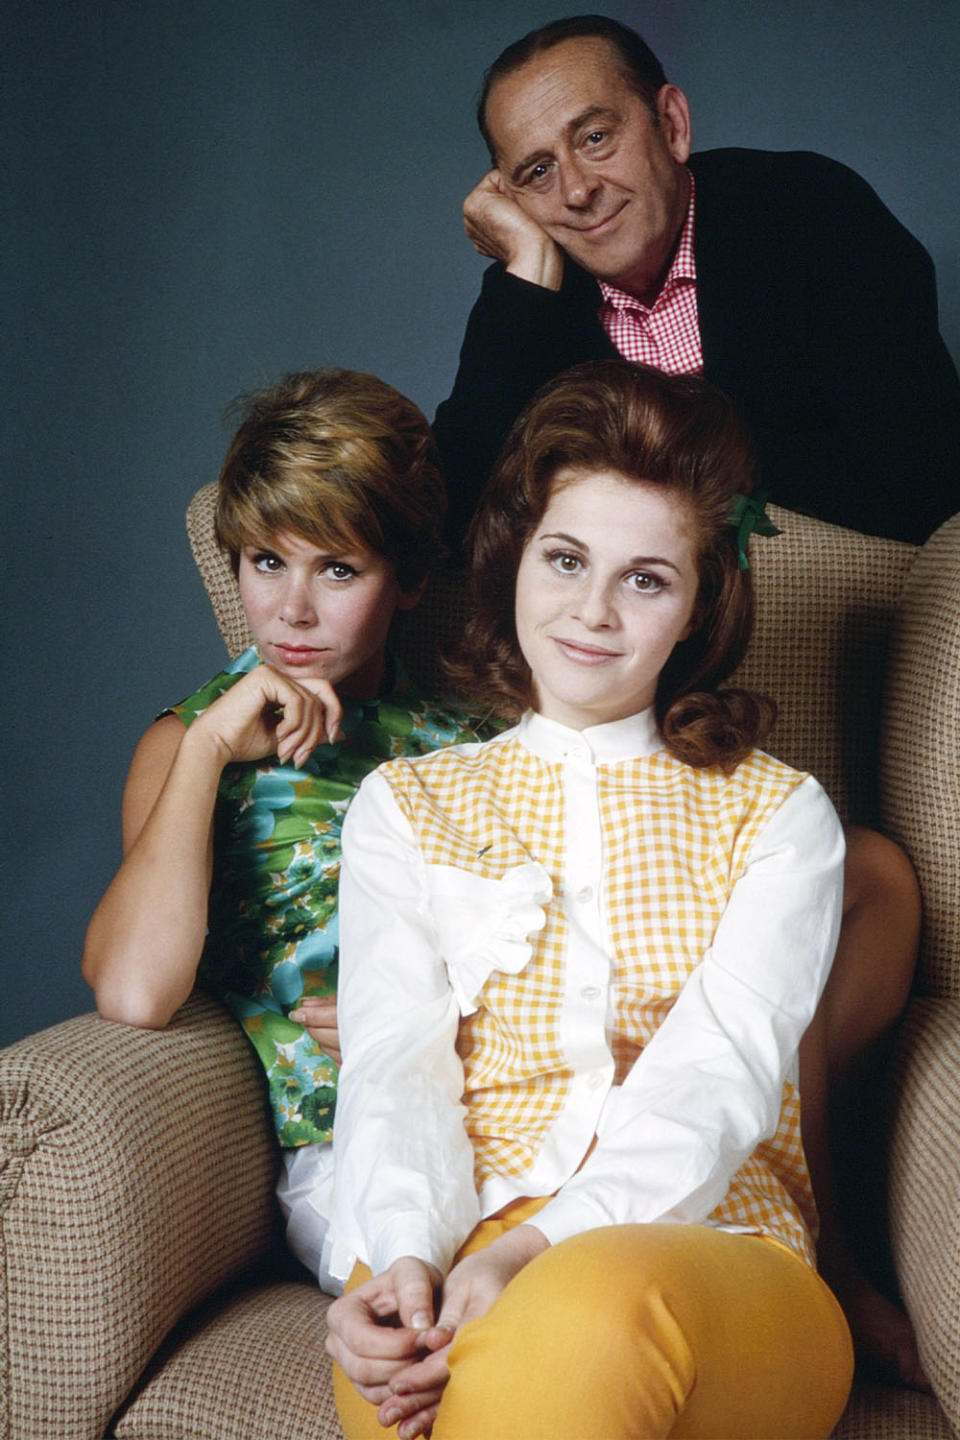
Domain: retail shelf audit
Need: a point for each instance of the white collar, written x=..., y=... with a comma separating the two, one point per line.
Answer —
x=627, y=739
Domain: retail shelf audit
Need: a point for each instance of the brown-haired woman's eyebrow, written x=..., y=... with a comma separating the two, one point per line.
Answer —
x=635, y=560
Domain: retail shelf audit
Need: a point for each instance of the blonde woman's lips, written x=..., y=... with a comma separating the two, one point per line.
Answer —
x=297, y=654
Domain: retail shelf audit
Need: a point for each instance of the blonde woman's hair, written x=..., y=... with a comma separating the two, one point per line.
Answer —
x=335, y=457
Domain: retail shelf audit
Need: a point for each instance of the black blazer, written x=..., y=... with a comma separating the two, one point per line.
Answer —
x=818, y=315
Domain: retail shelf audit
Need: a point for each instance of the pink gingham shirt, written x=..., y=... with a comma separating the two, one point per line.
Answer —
x=665, y=334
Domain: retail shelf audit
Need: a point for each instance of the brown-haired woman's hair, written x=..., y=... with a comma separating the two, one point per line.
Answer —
x=671, y=431
x=336, y=457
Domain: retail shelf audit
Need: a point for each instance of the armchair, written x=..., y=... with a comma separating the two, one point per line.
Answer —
x=145, y=1293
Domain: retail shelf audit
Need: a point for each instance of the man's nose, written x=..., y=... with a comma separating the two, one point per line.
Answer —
x=578, y=184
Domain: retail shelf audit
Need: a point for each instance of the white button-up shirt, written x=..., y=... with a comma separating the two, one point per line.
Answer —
x=704, y=1092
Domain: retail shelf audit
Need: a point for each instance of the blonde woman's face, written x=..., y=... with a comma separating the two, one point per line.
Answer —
x=321, y=612
x=606, y=588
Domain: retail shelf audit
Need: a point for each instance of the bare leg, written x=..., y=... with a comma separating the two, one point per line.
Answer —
x=865, y=995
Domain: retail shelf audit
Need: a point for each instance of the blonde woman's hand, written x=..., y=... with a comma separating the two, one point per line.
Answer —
x=318, y=1016
x=267, y=713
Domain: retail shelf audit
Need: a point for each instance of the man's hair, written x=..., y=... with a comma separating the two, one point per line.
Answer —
x=637, y=63
x=674, y=432
x=335, y=457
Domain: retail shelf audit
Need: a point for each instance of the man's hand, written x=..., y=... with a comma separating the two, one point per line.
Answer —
x=499, y=228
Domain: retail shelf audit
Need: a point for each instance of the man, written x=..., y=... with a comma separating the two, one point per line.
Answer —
x=783, y=279
x=780, y=277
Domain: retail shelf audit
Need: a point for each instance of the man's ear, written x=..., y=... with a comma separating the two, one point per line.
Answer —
x=408, y=599
x=673, y=113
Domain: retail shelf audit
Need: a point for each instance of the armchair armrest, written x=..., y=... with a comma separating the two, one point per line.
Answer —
x=924, y=1190
x=920, y=749
x=136, y=1177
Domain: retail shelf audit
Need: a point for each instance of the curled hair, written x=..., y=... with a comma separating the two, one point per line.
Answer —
x=671, y=431
x=635, y=60
x=338, y=458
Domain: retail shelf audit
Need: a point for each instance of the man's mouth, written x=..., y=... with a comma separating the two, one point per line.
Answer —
x=600, y=225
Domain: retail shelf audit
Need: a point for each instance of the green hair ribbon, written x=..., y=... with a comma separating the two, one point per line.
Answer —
x=748, y=515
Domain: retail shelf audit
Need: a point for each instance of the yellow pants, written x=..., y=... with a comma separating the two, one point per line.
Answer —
x=641, y=1331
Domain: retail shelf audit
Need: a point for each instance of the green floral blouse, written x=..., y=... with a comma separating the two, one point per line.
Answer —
x=272, y=932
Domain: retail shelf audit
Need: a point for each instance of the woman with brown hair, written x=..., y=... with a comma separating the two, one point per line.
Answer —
x=578, y=961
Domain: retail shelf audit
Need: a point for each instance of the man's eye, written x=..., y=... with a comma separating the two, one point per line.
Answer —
x=537, y=172
x=596, y=137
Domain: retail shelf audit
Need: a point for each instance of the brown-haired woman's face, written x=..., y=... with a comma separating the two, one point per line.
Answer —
x=606, y=588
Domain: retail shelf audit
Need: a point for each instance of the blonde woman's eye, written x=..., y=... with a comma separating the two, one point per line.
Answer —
x=339, y=570
x=266, y=562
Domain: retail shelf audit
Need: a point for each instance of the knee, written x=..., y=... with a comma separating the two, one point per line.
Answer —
x=879, y=872
x=605, y=1287
x=524, y=1367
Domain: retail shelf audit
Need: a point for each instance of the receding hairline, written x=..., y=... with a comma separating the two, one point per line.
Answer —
x=617, y=58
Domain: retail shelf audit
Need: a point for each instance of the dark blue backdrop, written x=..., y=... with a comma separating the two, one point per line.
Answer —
x=205, y=193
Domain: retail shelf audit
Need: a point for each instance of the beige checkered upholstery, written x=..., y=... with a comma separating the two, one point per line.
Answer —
x=143, y=1293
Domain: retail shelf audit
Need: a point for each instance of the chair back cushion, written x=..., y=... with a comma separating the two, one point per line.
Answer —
x=218, y=578
x=826, y=599
x=920, y=749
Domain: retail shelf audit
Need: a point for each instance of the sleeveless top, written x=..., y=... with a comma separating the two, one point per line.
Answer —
x=272, y=933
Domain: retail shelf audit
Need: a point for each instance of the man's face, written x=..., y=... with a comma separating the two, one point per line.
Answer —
x=584, y=157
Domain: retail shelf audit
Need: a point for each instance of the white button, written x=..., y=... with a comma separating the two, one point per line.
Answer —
x=590, y=992
x=584, y=894
x=596, y=1080
x=576, y=752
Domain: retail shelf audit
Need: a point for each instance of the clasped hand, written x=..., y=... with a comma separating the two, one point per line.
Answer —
x=391, y=1336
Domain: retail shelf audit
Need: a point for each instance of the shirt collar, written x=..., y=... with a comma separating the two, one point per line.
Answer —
x=628, y=739
x=683, y=269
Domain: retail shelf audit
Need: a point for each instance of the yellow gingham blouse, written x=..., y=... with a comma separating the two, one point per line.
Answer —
x=573, y=966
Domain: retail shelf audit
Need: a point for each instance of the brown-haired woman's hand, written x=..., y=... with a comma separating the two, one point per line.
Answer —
x=474, y=1284
x=268, y=713
x=377, y=1329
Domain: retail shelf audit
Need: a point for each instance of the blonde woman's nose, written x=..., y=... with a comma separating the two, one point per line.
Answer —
x=296, y=605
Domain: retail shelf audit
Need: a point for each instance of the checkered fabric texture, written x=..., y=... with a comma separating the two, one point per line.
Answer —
x=142, y=1294
x=665, y=335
